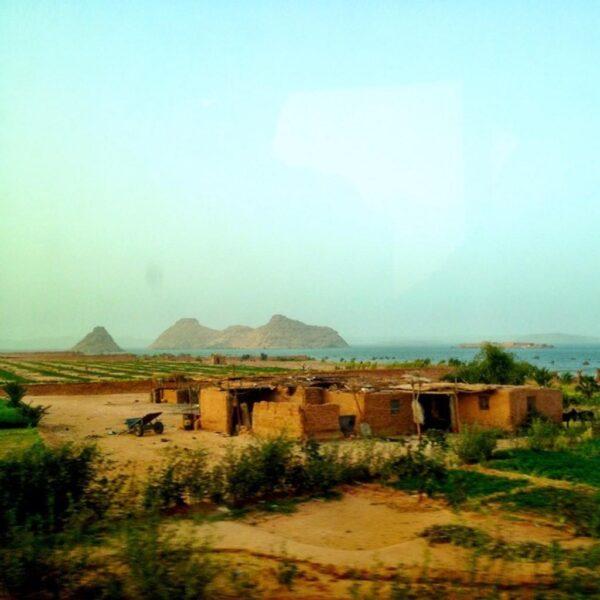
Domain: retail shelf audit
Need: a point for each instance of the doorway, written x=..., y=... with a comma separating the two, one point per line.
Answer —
x=437, y=412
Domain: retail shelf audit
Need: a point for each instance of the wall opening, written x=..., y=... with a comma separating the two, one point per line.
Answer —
x=243, y=401
x=437, y=412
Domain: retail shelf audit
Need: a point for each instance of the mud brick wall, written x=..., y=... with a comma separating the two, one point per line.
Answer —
x=215, y=410
x=286, y=394
x=546, y=402
x=174, y=396
x=313, y=395
x=498, y=415
x=322, y=421
x=378, y=413
x=349, y=403
x=276, y=418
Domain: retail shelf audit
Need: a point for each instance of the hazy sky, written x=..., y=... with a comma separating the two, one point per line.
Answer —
x=394, y=170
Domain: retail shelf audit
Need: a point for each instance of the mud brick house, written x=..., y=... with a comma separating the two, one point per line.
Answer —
x=174, y=390
x=297, y=411
x=330, y=408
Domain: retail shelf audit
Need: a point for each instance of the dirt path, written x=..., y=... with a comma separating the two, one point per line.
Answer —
x=376, y=528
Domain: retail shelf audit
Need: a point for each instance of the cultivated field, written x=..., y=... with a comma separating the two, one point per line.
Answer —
x=31, y=368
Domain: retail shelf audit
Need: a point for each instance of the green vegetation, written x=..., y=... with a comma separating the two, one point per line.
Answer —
x=566, y=378
x=18, y=413
x=542, y=376
x=264, y=471
x=15, y=440
x=492, y=365
x=475, y=444
x=580, y=464
x=11, y=376
x=461, y=485
x=82, y=371
x=42, y=487
x=473, y=538
x=581, y=509
x=58, y=503
x=588, y=387
x=543, y=434
x=160, y=568
x=11, y=418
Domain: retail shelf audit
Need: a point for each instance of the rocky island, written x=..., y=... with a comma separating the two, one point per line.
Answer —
x=279, y=332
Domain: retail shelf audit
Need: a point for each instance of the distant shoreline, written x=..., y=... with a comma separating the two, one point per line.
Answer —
x=508, y=345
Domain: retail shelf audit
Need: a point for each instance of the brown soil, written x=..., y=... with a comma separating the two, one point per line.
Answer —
x=92, y=388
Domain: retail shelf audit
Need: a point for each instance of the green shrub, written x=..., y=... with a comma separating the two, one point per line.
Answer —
x=415, y=471
x=492, y=365
x=160, y=569
x=30, y=415
x=475, y=444
x=542, y=376
x=462, y=485
x=580, y=464
x=566, y=378
x=543, y=434
x=260, y=471
x=472, y=538
x=183, y=477
x=43, y=487
x=15, y=392
x=11, y=418
x=579, y=508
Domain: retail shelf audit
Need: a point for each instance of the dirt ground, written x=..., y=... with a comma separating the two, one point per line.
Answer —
x=375, y=531
x=100, y=418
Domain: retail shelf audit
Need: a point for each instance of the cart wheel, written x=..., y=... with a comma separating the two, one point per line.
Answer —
x=158, y=427
x=139, y=430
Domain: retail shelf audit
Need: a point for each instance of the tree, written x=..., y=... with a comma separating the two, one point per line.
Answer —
x=543, y=376
x=566, y=378
x=32, y=414
x=15, y=392
x=587, y=386
x=492, y=365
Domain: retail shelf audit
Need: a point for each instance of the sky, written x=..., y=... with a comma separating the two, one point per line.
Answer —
x=396, y=170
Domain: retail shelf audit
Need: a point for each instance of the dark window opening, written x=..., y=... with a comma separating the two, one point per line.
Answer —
x=530, y=404
x=484, y=403
x=395, y=407
x=347, y=424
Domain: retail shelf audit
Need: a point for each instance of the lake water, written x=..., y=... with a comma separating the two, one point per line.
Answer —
x=559, y=358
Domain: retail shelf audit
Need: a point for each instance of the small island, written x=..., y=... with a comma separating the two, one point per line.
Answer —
x=508, y=345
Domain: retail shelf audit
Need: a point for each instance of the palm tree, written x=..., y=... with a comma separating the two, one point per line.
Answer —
x=587, y=387
x=567, y=378
x=543, y=377
x=15, y=392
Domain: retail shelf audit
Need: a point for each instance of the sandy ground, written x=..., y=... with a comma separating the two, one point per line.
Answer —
x=377, y=530
x=101, y=419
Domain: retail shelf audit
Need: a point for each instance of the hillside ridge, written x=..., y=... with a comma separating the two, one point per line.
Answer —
x=279, y=332
x=97, y=341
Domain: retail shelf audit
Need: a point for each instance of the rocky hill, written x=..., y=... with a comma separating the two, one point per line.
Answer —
x=98, y=341
x=279, y=332
x=185, y=334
